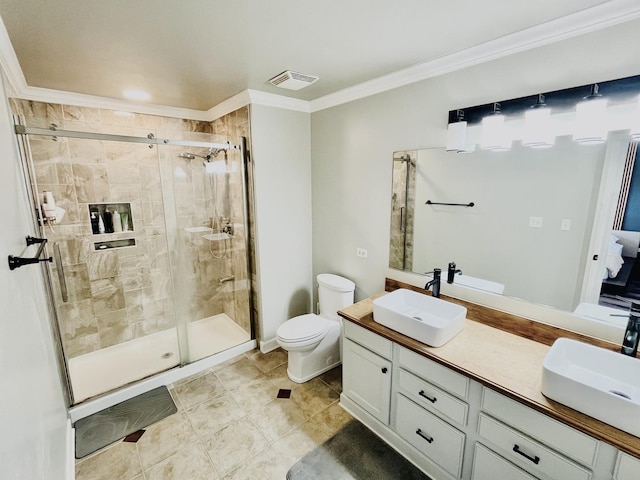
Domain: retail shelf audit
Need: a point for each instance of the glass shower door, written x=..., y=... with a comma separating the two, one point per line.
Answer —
x=209, y=246
x=111, y=278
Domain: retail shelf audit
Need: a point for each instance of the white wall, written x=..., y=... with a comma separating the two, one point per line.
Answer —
x=280, y=142
x=352, y=144
x=33, y=444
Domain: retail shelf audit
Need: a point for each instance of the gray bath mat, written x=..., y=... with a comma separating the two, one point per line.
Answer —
x=116, y=422
x=354, y=453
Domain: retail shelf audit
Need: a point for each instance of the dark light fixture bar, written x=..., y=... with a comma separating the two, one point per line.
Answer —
x=623, y=90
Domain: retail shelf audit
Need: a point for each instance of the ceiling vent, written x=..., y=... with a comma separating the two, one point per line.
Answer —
x=292, y=80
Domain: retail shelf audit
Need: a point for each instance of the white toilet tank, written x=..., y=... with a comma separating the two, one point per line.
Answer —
x=334, y=293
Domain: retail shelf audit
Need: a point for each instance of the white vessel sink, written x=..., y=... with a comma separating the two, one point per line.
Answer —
x=478, y=283
x=597, y=382
x=421, y=317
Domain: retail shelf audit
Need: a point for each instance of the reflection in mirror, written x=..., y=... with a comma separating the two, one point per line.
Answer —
x=529, y=229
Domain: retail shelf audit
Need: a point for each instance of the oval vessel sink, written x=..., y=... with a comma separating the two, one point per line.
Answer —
x=424, y=318
x=597, y=382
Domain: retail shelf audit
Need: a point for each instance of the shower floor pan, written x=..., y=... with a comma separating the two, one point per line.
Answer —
x=113, y=367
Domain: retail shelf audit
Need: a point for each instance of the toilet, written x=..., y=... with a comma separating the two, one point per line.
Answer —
x=313, y=341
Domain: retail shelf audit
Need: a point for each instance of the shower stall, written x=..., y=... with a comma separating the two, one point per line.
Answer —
x=150, y=244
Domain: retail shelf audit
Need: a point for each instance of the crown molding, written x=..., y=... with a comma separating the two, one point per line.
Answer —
x=589, y=20
x=279, y=101
x=605, y=15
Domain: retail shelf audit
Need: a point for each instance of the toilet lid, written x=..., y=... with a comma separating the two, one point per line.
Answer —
x=303, y=327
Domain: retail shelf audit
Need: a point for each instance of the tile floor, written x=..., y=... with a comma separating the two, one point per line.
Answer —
x=230, y=426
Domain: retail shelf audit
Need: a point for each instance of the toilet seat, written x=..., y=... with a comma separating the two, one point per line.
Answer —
x=303, y=329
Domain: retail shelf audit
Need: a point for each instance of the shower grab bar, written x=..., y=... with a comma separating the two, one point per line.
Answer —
x=470, y=204
x=17, y=262
x=61, y=278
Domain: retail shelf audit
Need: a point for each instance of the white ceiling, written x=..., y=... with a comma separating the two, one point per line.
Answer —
x=195, y=54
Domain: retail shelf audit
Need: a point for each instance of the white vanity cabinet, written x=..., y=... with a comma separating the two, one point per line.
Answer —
x=367, y=376
x=627, y=467
x=453, y=427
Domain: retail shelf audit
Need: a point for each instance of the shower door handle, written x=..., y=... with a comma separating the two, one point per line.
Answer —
x=61, y=277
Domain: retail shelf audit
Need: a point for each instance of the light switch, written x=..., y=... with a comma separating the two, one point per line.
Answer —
x=535, y=222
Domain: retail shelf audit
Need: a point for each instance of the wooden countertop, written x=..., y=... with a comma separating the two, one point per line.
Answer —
x=503, y=361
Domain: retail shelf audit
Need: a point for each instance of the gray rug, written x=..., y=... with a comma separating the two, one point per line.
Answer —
x=116, y=422
x=354, y=453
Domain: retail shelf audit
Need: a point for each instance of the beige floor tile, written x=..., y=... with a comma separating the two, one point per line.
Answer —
x=269, y=465
x=211, y=415
x=267, y=361
x=199, y=389
x=255, y=393
x=119, y=461
x=277, y=418
x=190, y=463
x=333, y=378
x=234, y=445
x=165, y=438
x=300, y=441
x=238, y=373
x=332, y=418
x=314, y=396
x=278, y=376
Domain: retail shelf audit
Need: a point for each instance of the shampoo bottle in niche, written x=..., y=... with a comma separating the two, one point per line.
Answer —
x=95, y=222
x=117, y=224
x=108, y=221
x=100, y=224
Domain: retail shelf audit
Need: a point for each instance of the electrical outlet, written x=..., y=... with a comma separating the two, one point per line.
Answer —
x=535, y=222
x=565, y=224
x=361, y=252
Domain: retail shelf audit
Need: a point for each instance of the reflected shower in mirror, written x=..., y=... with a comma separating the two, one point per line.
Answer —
x=529, y=230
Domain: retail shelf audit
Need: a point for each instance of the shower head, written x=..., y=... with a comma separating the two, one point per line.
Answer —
x=187, y=155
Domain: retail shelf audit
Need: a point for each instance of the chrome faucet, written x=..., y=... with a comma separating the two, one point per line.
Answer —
x=435, y=283
x=451, y=272
x=632, y=333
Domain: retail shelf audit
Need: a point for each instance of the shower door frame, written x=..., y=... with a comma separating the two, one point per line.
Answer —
x=22, y=134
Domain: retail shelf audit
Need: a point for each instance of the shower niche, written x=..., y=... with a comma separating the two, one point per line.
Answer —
x=111, y=218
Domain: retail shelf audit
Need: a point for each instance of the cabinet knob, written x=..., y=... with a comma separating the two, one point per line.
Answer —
x=384, y=370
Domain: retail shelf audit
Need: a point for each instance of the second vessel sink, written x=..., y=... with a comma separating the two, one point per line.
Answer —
x=424, y=318
x=597, y=382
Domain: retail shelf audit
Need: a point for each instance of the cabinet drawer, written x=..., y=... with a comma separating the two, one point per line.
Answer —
x=440, y=375
x=436, y=439
x=574, y=444
x=364, y=337
x=528, y=453
x=627, y=467
x=489, y=466
x=432, y=398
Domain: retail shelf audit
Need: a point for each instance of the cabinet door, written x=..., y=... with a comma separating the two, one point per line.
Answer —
x=367, y=379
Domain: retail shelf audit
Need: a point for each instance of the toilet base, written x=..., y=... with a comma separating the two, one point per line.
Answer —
x=303, y=366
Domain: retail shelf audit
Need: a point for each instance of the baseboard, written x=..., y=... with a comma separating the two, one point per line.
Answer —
x=71, y=451
x=269, y=345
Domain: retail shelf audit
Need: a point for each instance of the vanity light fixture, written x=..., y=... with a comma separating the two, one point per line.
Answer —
x=457, y=135
x=591, y=127
x=537, y=125
x=494, y=135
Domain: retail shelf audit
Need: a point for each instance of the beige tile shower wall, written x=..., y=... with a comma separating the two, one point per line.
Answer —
x=126, y=293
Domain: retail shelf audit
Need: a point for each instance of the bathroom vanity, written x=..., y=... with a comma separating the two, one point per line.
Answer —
x=472, y=409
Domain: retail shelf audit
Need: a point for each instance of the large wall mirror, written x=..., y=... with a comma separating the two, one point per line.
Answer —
x=539, y=229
